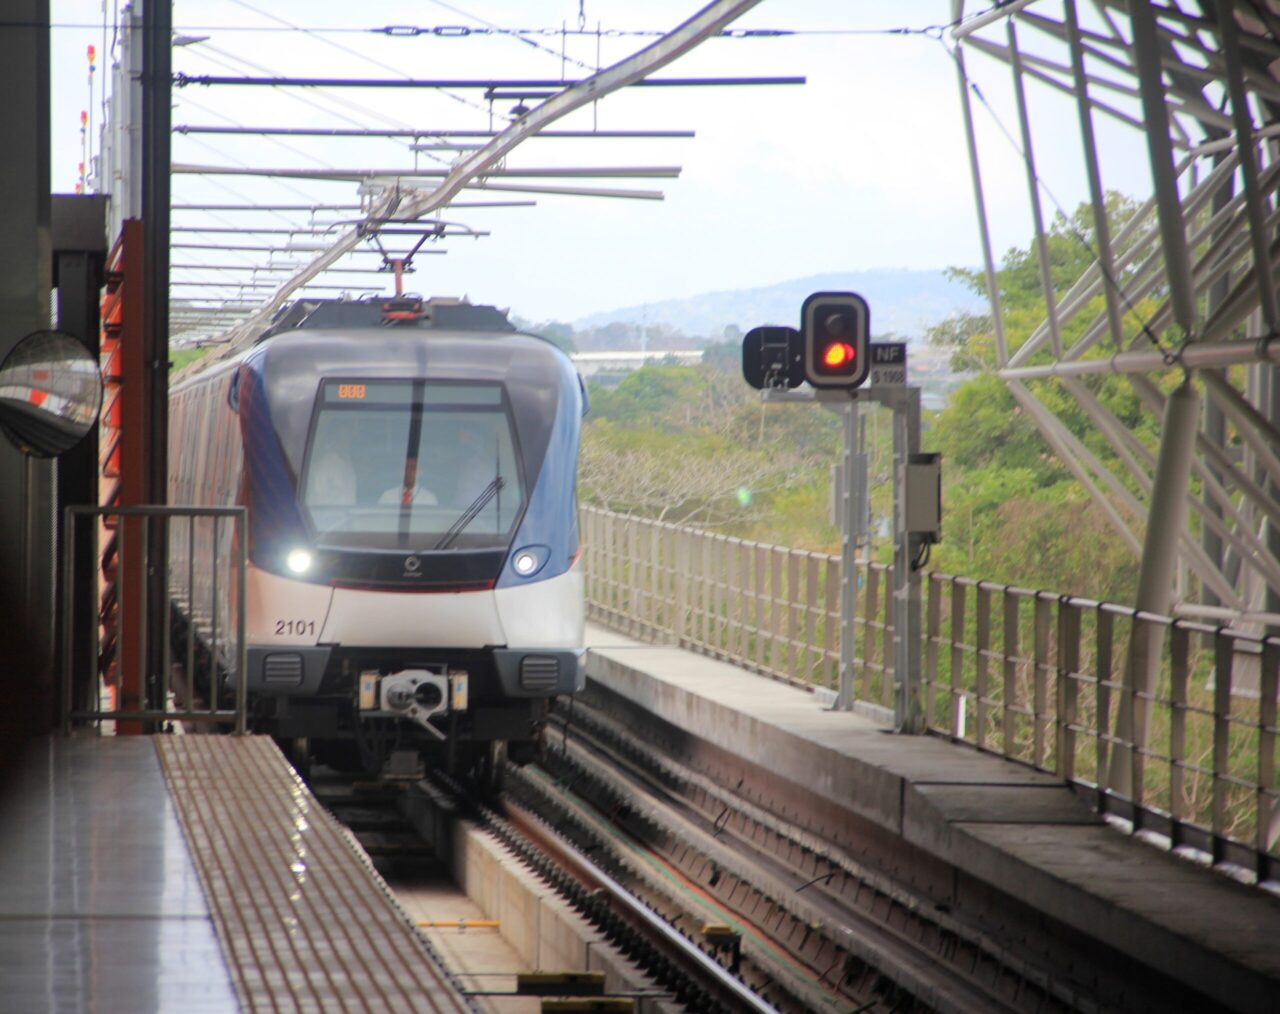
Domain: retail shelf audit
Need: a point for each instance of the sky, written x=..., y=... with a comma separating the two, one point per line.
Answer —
x=863, y=167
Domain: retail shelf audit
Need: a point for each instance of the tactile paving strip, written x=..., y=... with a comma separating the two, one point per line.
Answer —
x=305, y=922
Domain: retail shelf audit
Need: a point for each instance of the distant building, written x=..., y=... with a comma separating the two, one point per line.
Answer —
x=604, y=367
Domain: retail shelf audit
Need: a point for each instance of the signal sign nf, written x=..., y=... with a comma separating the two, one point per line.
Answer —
x=888, y=364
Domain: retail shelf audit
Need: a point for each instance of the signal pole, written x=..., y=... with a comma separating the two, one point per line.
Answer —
x=853, y=513
x=833, y=352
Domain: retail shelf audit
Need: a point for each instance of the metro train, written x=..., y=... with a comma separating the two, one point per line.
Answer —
x=408, y=470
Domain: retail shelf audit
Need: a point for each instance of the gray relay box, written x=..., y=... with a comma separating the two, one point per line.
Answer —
x=922, y=485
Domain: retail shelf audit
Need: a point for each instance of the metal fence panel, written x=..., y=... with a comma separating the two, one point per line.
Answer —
x=1201, y=765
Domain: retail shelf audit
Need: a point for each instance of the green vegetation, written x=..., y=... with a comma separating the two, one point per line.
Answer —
x=696, y=446
x=180, y=358
x=1001, y=668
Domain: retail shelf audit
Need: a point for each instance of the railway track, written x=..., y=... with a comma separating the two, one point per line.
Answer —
x=381, y=821
x=724, y=903
x=809, y=926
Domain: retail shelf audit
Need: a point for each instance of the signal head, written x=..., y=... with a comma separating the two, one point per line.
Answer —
x=835, y=327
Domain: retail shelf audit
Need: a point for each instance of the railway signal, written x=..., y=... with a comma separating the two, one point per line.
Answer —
x=835, y=328
x=771, y=357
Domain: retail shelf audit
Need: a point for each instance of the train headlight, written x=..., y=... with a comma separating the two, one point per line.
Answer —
x=298, y=561
x=528, y=560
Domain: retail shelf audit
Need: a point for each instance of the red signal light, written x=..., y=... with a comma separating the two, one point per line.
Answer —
x=837, y=355
x=835, y=331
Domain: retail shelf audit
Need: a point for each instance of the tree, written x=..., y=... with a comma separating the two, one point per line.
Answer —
x=1006, y=492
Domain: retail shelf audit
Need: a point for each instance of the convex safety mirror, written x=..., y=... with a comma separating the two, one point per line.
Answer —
x=50, y=393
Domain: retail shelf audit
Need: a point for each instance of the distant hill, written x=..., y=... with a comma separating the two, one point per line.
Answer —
x=902, y=301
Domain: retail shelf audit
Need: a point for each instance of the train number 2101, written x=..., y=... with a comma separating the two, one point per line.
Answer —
x=297, y=628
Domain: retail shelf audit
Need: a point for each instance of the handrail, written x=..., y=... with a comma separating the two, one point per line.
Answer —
x=1032, y=675
x=126, y=578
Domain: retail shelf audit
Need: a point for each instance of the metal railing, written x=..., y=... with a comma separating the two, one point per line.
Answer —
x=1047, y=680
x=204, y=588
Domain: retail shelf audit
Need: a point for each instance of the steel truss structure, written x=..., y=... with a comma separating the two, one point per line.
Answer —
x=1186, y=286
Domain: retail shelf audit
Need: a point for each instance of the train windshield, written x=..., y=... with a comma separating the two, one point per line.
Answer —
x=426, y=464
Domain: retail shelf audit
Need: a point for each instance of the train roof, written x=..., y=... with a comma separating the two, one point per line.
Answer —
x=440, y=314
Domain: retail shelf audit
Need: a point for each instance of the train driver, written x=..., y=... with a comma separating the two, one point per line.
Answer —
x=411, y=491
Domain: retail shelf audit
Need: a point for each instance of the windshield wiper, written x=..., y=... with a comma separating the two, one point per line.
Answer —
x=470, y=514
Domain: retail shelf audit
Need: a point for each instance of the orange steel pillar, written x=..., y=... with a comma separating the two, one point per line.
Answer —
x=123, y=460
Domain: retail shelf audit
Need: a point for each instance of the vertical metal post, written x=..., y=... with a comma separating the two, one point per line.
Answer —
x=1068, y=686
x=1165, y=517
x=191, y=617
x=907, y=712
x=242, y=651
x=66, y=703
x=157, y=74
x=849, y=526
x=1268, y=810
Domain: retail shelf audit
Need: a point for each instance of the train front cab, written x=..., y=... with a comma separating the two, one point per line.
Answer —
x=417, y=587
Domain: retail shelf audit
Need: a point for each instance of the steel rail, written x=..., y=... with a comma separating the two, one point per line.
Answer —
x=701, y=967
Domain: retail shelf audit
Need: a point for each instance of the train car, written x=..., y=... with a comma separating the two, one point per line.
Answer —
x=413, y=579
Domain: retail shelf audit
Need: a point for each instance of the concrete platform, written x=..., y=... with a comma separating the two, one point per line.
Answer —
x=1003, y=826
x=193, y=873
x=101, y=907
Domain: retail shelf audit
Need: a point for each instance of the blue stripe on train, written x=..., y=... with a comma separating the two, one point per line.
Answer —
x=551, y=519
x=276, y=520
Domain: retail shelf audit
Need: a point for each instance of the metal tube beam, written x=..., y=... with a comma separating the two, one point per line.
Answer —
x=457, y=84
x=1097, y=196
x=1248, y=154
x=975, y=174
x=1055, y=434
x=1033, y=192
x=386, y=134
x=1146, y=51
x=1006, y=10
x=1194, y=356
x=1166, y=515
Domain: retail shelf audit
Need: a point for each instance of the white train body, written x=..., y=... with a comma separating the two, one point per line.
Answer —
x=412, y=523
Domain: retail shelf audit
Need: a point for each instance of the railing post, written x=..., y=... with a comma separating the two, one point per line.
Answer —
x=956, y=680
x=933, y=634
x=1012, y=638
x=1068, y=687
x=682, y=584
x=982, y=596
x=1179, y=652
x=1040, y=703
x=1223, y=661
x=1105, y=622
x=1268, y=810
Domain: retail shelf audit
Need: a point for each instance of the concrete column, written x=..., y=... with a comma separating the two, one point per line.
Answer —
x=26, y=486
